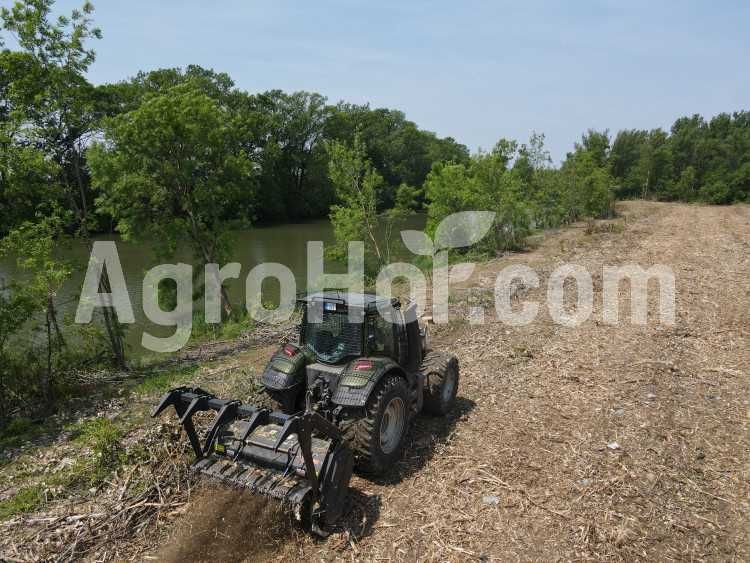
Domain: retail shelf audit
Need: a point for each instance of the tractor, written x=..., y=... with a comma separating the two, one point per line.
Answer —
x=345, y=394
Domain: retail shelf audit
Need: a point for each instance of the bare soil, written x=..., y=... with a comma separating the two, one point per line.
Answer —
x=228, y=525
x=596, y=442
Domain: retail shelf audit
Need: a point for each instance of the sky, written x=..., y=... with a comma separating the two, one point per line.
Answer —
x=475, y=71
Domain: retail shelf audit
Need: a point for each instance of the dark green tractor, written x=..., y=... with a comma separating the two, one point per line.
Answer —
x=346, y=394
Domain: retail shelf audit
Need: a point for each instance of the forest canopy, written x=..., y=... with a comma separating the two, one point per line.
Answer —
x=52, y=120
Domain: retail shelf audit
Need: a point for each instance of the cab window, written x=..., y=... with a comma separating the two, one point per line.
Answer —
x=380, y=338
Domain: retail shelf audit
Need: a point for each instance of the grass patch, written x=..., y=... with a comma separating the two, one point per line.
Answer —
x=20, y=430
x=227, y=329
x=163, y=381
x=599, y=227
x=83, y=473
x=25, y=500
x=104, y=437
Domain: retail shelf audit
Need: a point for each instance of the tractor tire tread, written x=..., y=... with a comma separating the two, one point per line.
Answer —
x=434, y=366
x=359, y=431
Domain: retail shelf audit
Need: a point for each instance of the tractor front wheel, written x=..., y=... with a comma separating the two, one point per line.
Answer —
x=441, y=382
x=378, y=438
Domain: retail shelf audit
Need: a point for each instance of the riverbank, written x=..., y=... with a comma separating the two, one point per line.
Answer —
x=620, y=442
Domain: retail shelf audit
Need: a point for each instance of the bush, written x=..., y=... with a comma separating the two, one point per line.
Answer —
x=103, y=437
x=164, y=381
x=528, y=195
x=236, y=325
x=25, y=500
x=29, y=387
x=19, y=430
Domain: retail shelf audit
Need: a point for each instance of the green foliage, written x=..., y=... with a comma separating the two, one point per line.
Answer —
x=27, y=499
x=49, y=112
x=235, y=325
x=34, y=246
x=27, y=182
x=697, y=160
x=104, y=440
x=173, y=169
x=53, y=106
x=357, y=185
x=104, y=437
x=160, y=382
x=486, y=184
x=408, y=199
x=38, y=358
x=34, y=378
x=400, y=151
x=19, y=430
x=520, y=185
x=17, y=306
x=127, y=95
x=286, y=132
x=588, y=183
x=19, y=426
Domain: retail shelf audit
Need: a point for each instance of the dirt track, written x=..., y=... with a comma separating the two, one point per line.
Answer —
x=526, y=467
x=539, y=406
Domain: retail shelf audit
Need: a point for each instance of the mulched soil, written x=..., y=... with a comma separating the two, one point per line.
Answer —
x=596, y=442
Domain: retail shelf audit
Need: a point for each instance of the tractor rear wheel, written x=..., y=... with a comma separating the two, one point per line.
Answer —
x=441, y=382
x=378, y=438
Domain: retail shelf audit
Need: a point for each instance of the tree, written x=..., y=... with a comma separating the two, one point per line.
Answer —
x=696, y=160
x=357, y=187
x=17, y=307
x=33, y=245
x=400, y=151
x=596, y=144
x=284, y=135
x=127, y=95
x=740, y=183
x=686, y=187
x=623, y=160
x=486, y=184
x=173, y=170
x=407, y=201
x=49, y=93
x=27, y=181
x=588, y=183
x=408, y=198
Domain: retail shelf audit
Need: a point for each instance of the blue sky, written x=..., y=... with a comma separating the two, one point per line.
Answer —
x=476, y=71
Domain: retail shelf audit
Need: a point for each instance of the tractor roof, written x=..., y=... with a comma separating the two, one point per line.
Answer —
x=368, y=301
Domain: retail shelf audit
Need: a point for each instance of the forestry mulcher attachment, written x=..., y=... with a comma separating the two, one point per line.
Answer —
x=346, y=394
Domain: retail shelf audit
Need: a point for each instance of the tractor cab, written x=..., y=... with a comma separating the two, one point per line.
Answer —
x=338, y=327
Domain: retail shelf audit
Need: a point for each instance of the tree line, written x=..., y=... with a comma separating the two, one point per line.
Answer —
x=52, y=117
x=696, y=160
x=182, y=156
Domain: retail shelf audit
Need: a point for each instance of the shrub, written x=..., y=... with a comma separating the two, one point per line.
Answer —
x=165, y=380
x=103, y=437
x=25, y=500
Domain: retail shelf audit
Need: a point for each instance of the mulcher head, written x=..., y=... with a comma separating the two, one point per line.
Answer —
x=298, y=459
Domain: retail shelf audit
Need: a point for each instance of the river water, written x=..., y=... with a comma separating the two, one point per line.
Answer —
x=285, y=244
